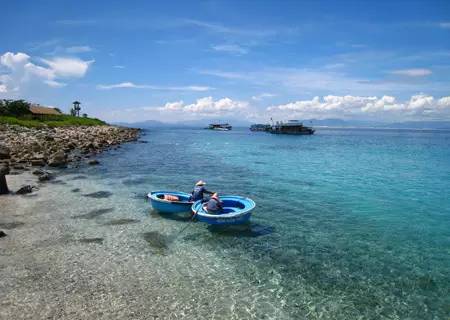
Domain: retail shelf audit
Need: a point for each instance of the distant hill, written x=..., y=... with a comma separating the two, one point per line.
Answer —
x=181, y=124
x=420, y=125
x=343, y=123
x=143, y=124
x=374, y=124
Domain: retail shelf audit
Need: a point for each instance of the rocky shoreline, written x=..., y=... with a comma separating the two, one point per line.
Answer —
x=23, y=149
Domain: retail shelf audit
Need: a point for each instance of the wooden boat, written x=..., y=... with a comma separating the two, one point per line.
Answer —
x=236, y=210
x=159, y=201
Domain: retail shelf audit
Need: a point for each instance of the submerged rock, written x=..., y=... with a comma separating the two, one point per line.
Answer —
x=93, y=214
x=93, y=162
x=91, y=240
x=156, y=240
x=25, y=189
x=117, y=222
x=99, y=194
x=11, y=225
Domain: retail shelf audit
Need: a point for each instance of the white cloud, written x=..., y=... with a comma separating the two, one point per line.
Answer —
x=234, y=31
x=206, y=106
x=119, y=66
x=323, y=81
x=262, y=96
x=55, y=84
x=362, y=107
x=21, y=71
x=118, y=85
x=152, y=87
x=225, y=74
x=68, y=67
x=231, y=48
x=14, y=61
x=445, y=25
x=78, y=49
x=444, y=102
x=412, y=72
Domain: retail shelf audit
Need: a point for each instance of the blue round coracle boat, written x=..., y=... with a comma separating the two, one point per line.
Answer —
x=159, y=202
x=236, y=210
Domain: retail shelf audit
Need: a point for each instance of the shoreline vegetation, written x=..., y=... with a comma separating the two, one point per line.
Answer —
x=28, y=142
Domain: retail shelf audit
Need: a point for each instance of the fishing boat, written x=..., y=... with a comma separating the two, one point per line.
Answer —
x=170, y=201
x=219, y=127
x=236, y=210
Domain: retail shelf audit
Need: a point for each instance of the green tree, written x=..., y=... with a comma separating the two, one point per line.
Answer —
x=14, y=107
x=2, y=108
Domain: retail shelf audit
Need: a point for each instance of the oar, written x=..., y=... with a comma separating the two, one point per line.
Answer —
x=192, y=219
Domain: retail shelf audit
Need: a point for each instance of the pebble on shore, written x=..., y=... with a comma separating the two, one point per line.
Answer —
x=56, y=147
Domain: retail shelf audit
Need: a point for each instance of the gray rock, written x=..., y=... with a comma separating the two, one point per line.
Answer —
x=4, y=169
x=58, y=159
x=5, y=152
x=45, y=177
x=39, y=172
x=37, y=163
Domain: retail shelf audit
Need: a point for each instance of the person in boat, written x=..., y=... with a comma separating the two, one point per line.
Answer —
x=199, y=191
x=214, y=205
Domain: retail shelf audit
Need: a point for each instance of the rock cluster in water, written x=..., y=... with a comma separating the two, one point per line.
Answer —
x=22, y=148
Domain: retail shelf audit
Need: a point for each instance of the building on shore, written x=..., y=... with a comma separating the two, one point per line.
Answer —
x=43, y=113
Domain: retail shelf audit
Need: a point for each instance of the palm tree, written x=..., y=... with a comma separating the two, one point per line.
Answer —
x=76, y=108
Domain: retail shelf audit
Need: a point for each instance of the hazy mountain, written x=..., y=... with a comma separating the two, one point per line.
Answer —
x=420, y=125
x=202, y=123
x=336, y=123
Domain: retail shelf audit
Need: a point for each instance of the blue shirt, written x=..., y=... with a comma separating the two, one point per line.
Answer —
x=197, y=193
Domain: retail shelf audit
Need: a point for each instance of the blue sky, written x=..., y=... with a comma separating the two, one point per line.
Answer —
x=172, y=61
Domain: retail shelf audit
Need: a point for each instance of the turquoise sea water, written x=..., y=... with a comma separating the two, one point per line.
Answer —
x=349, y=224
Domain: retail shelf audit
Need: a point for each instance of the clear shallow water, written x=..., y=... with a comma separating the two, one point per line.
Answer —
x=349, y=224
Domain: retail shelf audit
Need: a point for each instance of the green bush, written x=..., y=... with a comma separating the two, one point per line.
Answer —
x=14, y=108
x=55, y=121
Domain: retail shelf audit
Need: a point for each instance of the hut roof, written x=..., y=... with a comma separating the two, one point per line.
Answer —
x=44, y=110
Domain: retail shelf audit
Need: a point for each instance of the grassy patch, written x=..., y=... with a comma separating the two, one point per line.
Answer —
x=55, y=121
